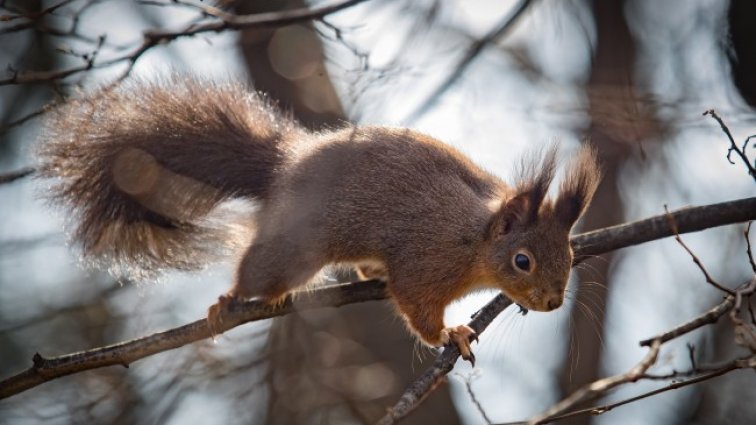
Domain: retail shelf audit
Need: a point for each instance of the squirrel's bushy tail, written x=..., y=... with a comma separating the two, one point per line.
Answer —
x=144, y=167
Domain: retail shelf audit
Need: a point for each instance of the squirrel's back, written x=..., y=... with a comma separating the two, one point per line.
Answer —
x=146, y=167
x=143, y=167
x=373, y=189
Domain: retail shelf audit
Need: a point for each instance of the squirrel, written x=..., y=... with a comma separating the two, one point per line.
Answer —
x=145, y=167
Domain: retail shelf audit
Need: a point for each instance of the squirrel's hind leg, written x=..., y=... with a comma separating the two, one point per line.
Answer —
x=272, y=269
x=269, y=270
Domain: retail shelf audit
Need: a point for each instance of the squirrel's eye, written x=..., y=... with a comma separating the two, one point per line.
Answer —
x=522, y=262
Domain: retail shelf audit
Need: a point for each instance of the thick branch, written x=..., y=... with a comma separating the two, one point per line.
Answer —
x=690, y=219
x=596, y=242
x=124, y=353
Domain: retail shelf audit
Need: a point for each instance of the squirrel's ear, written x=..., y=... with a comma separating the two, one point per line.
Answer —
x=577, y=189
x=511, y=213
x=536, y=172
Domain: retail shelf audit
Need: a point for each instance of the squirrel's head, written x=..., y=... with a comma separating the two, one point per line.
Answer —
x=528, y=235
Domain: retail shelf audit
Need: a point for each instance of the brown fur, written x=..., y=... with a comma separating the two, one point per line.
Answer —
x=404, y=205
x=142, y=166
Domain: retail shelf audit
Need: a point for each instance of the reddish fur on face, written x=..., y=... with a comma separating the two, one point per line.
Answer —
x=145, y=168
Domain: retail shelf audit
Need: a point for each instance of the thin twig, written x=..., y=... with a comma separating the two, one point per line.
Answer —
x=745, y=333
x=695, y=258
x=157, y=37
x=473, y=51
x=598, y=410
x=709, y=317
x=423, y=386
x=596, y=389
x=468, y=385
x=746, y=234
x=733, y=146
x=16, y=175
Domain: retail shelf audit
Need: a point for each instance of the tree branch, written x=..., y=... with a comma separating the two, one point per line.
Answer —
x=436, y=374
x=584, y=245
x=592, y=243
x=473, y=51
x=124, y=353
x=745, y=335
x=599, y=410
x=154, y=38
x=690, y=219
x=15, y=175
x=598, y=388
x=733, y=146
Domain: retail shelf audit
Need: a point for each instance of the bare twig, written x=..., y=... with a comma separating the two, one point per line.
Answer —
x=468, y=385
x=45, y=369
x=473, y=51
x=693, y=371
x=733, y=146
x=598, y=410
x=695, y=258
x=592, y=242
x=414, y=395
x=15, y=175
x=596, y=242
x=745, y=333
x=158, y=37
x=709, y=317
x=206, y=9
x=692, y=357
x=5, y=128
x=596, y=389
x=32, y=18
x=749, y=253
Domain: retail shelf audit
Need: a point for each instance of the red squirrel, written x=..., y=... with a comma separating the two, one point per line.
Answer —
x=145, y=167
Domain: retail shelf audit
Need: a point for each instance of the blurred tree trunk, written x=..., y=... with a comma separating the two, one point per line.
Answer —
x=621, y=119
x=345, y=364
x=740, y=18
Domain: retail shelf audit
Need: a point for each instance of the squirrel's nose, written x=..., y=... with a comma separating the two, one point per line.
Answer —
x=554, y=302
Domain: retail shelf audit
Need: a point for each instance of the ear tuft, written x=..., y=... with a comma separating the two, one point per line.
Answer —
x=578, y=187
x=536, y=173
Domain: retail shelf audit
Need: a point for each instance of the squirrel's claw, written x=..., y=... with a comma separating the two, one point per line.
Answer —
x=215, y=313
x=461, y=336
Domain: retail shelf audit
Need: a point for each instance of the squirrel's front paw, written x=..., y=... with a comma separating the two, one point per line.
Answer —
x=461, y=336
x=215, y=312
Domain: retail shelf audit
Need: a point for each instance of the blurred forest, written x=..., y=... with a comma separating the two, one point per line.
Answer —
x=492, y=78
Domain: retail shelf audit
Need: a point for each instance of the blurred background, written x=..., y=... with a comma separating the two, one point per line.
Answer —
x=493, y=78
